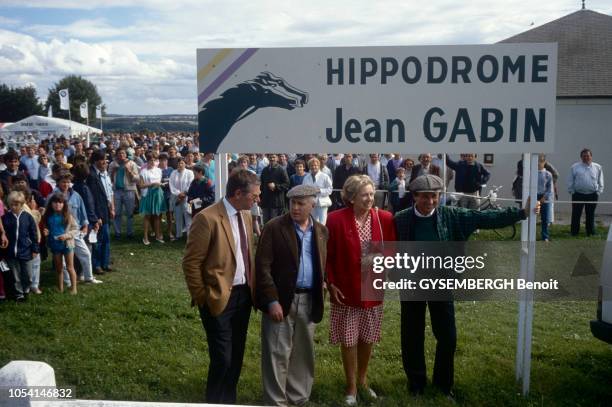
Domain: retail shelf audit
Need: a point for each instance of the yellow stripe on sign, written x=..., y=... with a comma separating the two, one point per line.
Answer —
x=213, y=62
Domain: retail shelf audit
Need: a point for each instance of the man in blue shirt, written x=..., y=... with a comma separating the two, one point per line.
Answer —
x=290, y=262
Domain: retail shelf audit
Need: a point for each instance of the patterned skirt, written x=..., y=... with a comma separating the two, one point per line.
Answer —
x=350, y=325
x=153, y=203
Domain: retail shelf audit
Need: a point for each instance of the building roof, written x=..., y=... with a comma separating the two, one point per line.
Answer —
x=584, y=53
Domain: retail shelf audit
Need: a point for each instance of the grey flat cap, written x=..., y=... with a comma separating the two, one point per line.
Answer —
x=426, y=183
x=303, y=191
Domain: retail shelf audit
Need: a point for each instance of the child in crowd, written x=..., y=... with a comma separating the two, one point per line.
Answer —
x=61, y=229
x=398, y=190
x=21, y=231
x=201, y=193
x=166, y=172
x=300, y=172
x=31, y=207
x=545, y=196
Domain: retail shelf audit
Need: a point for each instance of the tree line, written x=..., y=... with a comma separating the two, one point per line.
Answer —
x=17, y=103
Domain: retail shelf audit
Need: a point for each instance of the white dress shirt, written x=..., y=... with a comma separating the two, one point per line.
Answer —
x=585, y=179
x=239, y=277
x=180, y=181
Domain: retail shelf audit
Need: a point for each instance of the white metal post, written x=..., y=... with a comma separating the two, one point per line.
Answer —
x=533, y=192
x=87, y=142
x=520, y=340
x=220, y=175
x=444, y=169
x=69, y=121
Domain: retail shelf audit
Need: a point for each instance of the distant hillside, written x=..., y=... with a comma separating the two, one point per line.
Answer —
x=157, y=123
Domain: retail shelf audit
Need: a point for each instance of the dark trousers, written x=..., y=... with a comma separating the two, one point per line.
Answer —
x=226, y=336
x=101, y=250
x=413, y=343
x=589, y=208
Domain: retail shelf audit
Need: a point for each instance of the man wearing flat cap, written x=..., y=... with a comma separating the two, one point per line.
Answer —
x=425, y=221
x=290, y=262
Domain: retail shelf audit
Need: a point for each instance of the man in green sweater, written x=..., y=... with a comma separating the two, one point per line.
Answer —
x=425, y=221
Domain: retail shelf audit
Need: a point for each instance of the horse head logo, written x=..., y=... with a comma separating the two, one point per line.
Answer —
x=266, y=90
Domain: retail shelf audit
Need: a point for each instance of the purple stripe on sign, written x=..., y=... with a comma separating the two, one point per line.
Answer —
x=226, y=74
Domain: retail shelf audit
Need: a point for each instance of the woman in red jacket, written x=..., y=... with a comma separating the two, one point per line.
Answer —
x=354, y=324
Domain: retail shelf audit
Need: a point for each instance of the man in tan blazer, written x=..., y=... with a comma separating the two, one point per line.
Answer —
x=289, y=290
x=219, y=269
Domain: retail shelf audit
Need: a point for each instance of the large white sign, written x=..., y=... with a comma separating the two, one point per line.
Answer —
x=468, y=98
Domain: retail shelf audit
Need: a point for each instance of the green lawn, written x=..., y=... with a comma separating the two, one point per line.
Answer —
x=135, y=337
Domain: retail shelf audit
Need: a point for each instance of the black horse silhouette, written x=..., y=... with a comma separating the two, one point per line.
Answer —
x=217, y=117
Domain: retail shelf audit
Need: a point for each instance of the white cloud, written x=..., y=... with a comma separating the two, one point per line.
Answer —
x=149, y=65
x=74, y=56
x=97, y=28
x=117, y=71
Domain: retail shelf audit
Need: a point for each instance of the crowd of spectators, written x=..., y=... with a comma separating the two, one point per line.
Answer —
x=166, y=179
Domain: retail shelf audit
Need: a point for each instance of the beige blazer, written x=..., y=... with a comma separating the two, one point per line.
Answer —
x=209, y=263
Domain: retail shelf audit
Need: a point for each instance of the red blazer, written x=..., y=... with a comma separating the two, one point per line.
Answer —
x=343, y=266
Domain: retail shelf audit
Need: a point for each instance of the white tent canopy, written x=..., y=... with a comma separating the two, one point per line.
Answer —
x=44, y=127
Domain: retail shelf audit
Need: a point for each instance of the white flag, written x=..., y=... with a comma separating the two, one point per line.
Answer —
x=50, y=111
x=64, y=99
x=84, y=110
x=99, y=111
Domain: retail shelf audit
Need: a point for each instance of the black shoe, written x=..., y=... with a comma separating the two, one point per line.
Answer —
x=98, y=271
x=21, y=298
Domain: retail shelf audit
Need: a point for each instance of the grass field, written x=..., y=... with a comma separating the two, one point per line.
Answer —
x=135, y=337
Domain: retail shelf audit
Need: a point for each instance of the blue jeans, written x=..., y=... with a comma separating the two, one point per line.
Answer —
x=545, y=214
x=35, y=272
x=101, y=249
x=125, y=202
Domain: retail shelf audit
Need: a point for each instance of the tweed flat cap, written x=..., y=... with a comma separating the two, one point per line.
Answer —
x=426, y=183
x=302, y=191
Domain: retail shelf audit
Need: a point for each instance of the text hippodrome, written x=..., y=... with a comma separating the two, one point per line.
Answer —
x=494, y=123
x=358, y=71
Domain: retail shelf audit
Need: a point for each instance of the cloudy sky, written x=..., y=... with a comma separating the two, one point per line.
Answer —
x=141, y=53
